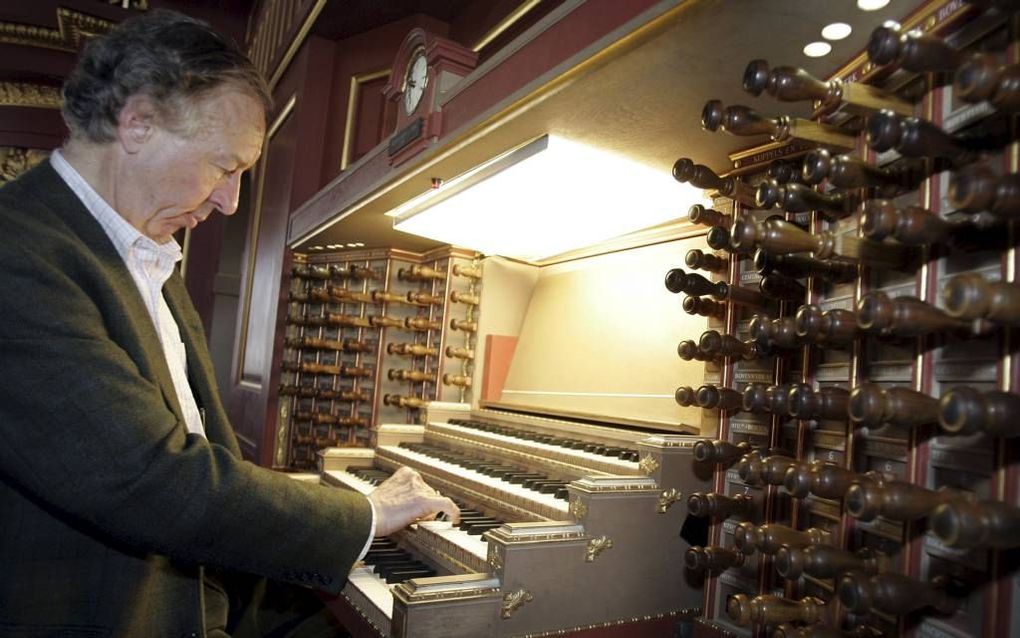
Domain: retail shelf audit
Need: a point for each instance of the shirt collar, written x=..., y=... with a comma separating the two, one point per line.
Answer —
x=125, y=237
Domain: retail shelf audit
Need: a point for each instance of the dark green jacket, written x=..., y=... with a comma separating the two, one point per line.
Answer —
x=109, y=509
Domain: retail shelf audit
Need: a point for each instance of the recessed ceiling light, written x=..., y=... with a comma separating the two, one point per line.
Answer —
x=817, y=49
x=836, y=31
x=871, y=5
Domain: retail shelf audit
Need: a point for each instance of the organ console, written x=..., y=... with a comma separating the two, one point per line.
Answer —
x=893, y=593
x=410, y=375
x=871, y=509
x=964, y=410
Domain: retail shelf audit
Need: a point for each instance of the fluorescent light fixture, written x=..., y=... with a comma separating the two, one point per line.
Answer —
x=871, y=5
x=546, y=197
x=817, y=49
x=836, y=31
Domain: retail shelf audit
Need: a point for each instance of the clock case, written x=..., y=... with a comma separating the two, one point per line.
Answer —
x=448, y=62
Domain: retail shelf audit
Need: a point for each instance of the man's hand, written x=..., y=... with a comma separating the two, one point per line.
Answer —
x=405, y=498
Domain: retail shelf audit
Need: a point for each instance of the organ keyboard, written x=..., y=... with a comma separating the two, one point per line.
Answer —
x=565, y=526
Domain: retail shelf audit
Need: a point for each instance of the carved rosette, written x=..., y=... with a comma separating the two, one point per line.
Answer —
x=578, y=509
x=667, y=498
x=648, y=465
x=14, y=161
x=595, y=547
x=512, y=601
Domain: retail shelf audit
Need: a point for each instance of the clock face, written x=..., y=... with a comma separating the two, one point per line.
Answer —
x=415, y=81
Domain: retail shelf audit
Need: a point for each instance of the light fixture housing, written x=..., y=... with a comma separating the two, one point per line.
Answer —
x=871, y=5
x=836, y=31
x=544, y=198
x=817, y=49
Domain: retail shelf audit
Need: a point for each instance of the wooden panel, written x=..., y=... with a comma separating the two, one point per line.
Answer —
x=499, y=354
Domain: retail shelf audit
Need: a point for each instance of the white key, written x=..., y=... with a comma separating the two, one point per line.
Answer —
x=610, y=464
x=545, y=504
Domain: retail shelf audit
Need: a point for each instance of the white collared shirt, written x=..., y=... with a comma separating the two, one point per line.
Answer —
x=150, y=265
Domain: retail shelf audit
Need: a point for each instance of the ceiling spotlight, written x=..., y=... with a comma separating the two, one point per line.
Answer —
x=871, y=5
x=817, y=49
x=836, y=31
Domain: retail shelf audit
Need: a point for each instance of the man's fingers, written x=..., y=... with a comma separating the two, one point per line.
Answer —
x=445, y=505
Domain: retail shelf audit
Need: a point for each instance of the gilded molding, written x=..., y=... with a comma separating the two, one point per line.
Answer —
x=495, y=558
x=578, y=509
x=512, y=601
x=14, y=161
x=596, y=546
x=32, y=95
x=667, y=498
x=648, y=464
x=72, y=30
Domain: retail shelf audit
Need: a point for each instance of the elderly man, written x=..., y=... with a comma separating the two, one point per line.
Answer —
x=125, y=508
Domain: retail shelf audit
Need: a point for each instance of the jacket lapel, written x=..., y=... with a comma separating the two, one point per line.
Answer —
x=130, y=325
x=200, y=370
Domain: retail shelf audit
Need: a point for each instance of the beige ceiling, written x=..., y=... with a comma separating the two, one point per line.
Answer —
x=642, y=98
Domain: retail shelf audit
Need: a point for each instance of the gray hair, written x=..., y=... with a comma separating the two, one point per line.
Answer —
x=173, y=59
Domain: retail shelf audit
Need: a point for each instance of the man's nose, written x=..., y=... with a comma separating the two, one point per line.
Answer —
x=224, y=197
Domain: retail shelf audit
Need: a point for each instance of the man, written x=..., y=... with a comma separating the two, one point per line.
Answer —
x=125, y=508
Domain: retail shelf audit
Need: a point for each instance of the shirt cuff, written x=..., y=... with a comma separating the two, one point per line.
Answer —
x=371, y=534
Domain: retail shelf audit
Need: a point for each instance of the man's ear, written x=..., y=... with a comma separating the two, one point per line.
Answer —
x=136, y=122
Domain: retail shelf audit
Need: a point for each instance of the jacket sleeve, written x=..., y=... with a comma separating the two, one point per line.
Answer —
x=87, y=434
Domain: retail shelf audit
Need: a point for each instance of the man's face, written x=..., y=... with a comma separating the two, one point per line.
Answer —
x=180, y=178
